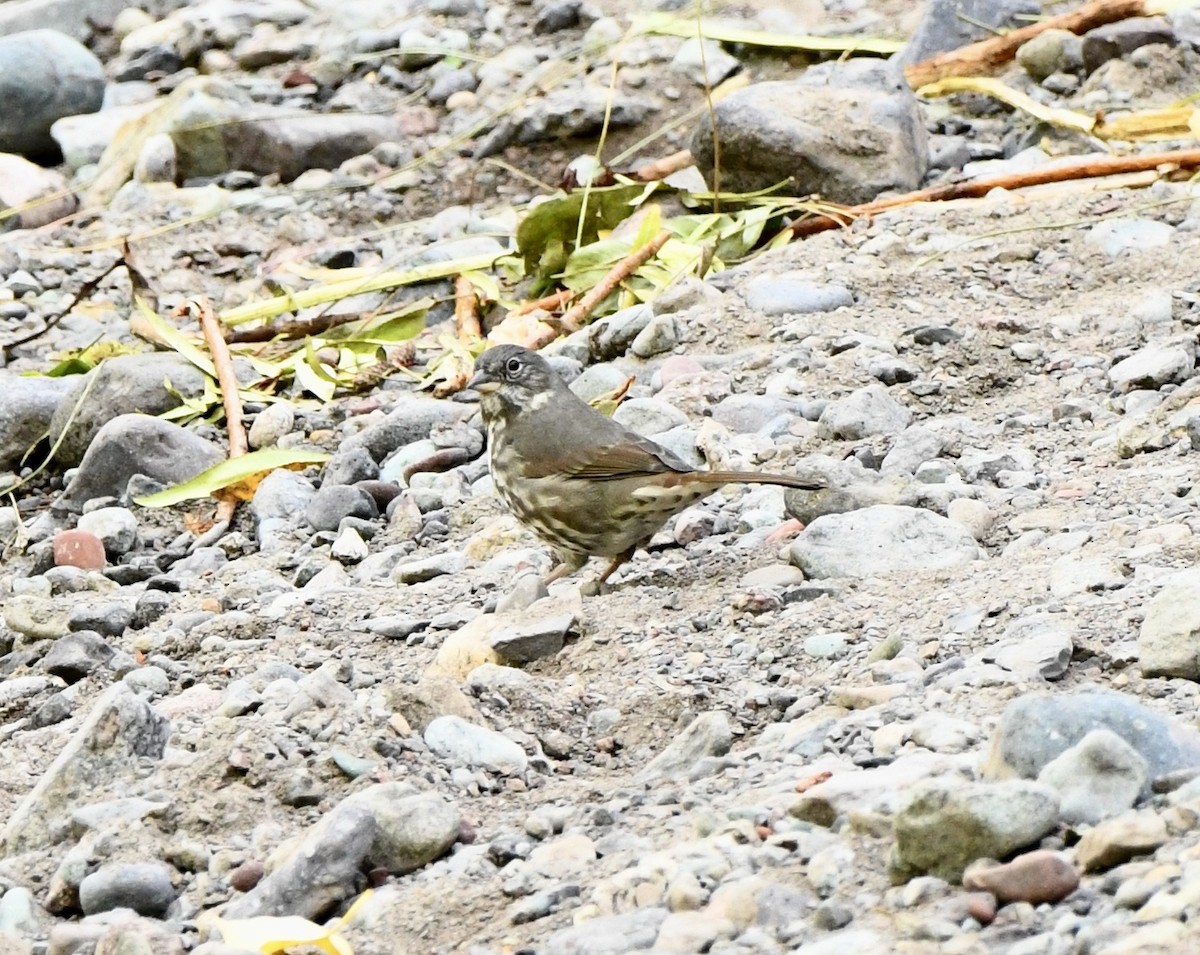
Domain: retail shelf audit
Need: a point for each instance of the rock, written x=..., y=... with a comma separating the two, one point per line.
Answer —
x=116, y=527
x=1115, y=238
x=41, y=195
x=1153, y=367
x=610, y=934
x=76, y=655
x=789, y=295
x=333, y=503
x=648, y=416
x=1099, y=777
x=324, y=867
x=138, y=444
x=911, y=448
x=144, y=887
x=126, y=384
x=79, y=549
x=950, y=24
x=847, y=131
x=1113, y=40
x=25, y=415
x=704, y=62
x=1169, y=639
x=1118, y=840
x=1036, y=728
x=882, y=539
x=411, y=830
x=45, y=75
x=453, y=738
x=272, y=423
x=946, y=824
x=866, y=412
x=1038, y=646
x=1045, y=54
x=1035, y=877
x=412, y=419
x=709, y=734
x=535, y=632
x=118, y=733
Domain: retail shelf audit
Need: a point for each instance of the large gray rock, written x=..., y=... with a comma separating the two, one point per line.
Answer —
x=384, y=826
x=25, y=413
x=1039, y=727
x=1169, y=641
x=138, y=444
x=453, y=738
x=127, y=384
x=120, y=731
x=946, y=824
x=216, y=127
x=44, y=75
x=949, y=24
x=846, y=131
x=884, y=539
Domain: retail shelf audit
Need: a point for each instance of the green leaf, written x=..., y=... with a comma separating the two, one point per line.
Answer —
x=229, y=472
x=727, y=32
x=546, y=236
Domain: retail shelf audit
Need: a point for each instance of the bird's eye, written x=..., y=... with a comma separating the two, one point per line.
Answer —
x=513, y=365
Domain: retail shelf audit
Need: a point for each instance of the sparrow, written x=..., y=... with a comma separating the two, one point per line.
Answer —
x=583, y=483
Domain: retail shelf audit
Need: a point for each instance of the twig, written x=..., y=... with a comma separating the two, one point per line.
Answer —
x=660, y=168
x=85, y=291
x=201, y=310
x=988, y=56
x=297, y=328
x=1086, y=167
x=549, y=303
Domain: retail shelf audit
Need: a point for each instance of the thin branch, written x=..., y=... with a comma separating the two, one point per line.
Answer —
x=550, y=303
x=466, y=311
x=1085, y=167
x=658, y=169
x=201, y=309
x=990, y=55
x=85, y=291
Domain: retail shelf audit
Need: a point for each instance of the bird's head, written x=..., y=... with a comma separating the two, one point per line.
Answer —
x=511, y=378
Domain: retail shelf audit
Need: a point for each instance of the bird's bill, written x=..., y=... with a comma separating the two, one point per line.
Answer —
x=485, y=386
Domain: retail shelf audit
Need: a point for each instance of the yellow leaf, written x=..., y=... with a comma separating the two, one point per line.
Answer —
x=1065, y=118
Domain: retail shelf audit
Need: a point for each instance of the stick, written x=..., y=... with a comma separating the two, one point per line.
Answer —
x=549, y=303
x=988, y=56
x=1086, y=167
x=660, y=168
x=85, y=291
x=297, y=328
x=466, y=311
x=579, y=313
x=201, y=309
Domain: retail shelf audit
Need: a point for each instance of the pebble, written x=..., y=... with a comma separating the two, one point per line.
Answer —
x=144, y=887
x=452, y=737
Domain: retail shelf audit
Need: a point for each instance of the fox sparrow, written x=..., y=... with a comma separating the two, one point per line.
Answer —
x=576, y=478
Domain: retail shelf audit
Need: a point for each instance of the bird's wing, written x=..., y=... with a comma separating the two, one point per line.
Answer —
x=632, y=456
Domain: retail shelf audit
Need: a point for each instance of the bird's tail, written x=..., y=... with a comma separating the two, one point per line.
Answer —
x=760, y=477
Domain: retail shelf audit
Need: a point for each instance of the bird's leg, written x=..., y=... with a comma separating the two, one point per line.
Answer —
x=616, y=562
x=568, y=564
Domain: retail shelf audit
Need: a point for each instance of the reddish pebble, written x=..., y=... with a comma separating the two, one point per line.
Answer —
x=78, y=549
x=247, y=875
x=981, y=906
x=1035, y=877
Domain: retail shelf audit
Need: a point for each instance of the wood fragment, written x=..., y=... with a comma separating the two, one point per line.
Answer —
x=581, y=312
x=201, y=310
x=297, y=328
x=659, y=169
x=548, y=303
x=466, y=311
x=990, y=55
x=1085, y=167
